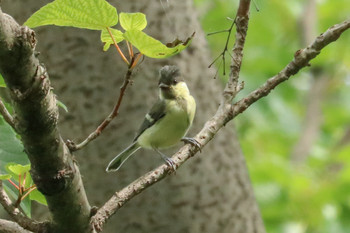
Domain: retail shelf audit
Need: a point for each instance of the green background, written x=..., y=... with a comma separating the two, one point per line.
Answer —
x=314, y=195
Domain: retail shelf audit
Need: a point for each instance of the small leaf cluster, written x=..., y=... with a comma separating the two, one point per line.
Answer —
x=17, y=181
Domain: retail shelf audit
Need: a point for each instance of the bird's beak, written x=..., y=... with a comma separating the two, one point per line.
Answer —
x=163, y=86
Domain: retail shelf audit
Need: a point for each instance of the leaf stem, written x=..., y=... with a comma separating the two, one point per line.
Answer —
x=15, y=185
x=131, y=51
x=117, y=47
x=19, y=184
x=136, y=60
x=28, y=192
x=33, y=186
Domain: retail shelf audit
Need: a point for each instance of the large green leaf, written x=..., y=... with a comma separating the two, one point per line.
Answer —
x=11, y=149
x=90, y=14
x=151, y=47
x=2, y=82
x=106, y=38
x=133, y=21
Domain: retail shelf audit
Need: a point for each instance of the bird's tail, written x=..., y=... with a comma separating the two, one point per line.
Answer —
x=118, y=160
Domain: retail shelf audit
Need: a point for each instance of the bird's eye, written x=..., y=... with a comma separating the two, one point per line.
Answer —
x=175, y=81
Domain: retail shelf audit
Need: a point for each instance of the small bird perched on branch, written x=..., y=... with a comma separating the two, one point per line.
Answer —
x=167, y=122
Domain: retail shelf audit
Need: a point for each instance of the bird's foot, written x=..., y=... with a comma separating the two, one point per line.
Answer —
x=167, y=160
x=193, y=142
x=170, y=163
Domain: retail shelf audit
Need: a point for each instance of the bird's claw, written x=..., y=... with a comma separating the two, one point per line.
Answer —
x=170, y=163
x=193, y=142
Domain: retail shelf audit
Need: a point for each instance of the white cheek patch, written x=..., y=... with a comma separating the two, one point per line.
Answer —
x=182, y=85
x=181, y=88
x=149, y=118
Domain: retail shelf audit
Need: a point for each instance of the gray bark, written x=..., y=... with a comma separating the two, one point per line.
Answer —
x=35, y=120
x=211, y=193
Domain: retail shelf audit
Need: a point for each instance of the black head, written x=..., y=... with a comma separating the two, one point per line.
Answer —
x=169, y=81
x=169, y=75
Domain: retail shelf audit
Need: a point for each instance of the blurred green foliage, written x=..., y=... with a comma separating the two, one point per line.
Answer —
x=314, y=195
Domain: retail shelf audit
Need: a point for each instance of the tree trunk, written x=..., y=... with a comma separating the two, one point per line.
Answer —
x=210, y=193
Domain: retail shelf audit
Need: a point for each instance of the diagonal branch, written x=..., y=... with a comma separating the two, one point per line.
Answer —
x=232, y=88
x=18, y=216
x=302, y=57
x=225, y=113
x=52, y=167
x=11, y=227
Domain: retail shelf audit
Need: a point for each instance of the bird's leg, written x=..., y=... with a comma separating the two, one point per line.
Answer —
x=193, y=142
x=167, y=160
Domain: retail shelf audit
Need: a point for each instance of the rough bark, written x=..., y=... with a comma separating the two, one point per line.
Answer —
x=210, y=194
x=35, y=120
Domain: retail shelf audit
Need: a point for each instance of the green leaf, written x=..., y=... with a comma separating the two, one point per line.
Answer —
x=90, y=14
x=2, y=82
x=17, y=169
x=151, y=47
x=62, y=105
x=133, y=21
x=38, y=197
x=11, y=149
x=106, y=38
x=5, y=177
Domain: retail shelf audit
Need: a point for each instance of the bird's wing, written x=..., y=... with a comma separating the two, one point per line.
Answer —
x=156, y=113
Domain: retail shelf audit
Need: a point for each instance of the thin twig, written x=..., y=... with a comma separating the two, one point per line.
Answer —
x=217, y=32
x=109, y=118
x=224, y=114
x=222, y=54
x=18, y=216
x=7, y=116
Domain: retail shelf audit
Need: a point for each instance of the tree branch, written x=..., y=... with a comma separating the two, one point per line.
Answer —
x=52, y=167
x=233, y=87
x=11, y=227
x=18, y=216
x=7, y=116
x=225, y=113
x=302, y=57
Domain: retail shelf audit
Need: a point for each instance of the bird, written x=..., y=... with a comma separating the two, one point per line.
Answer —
x=166, y=123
